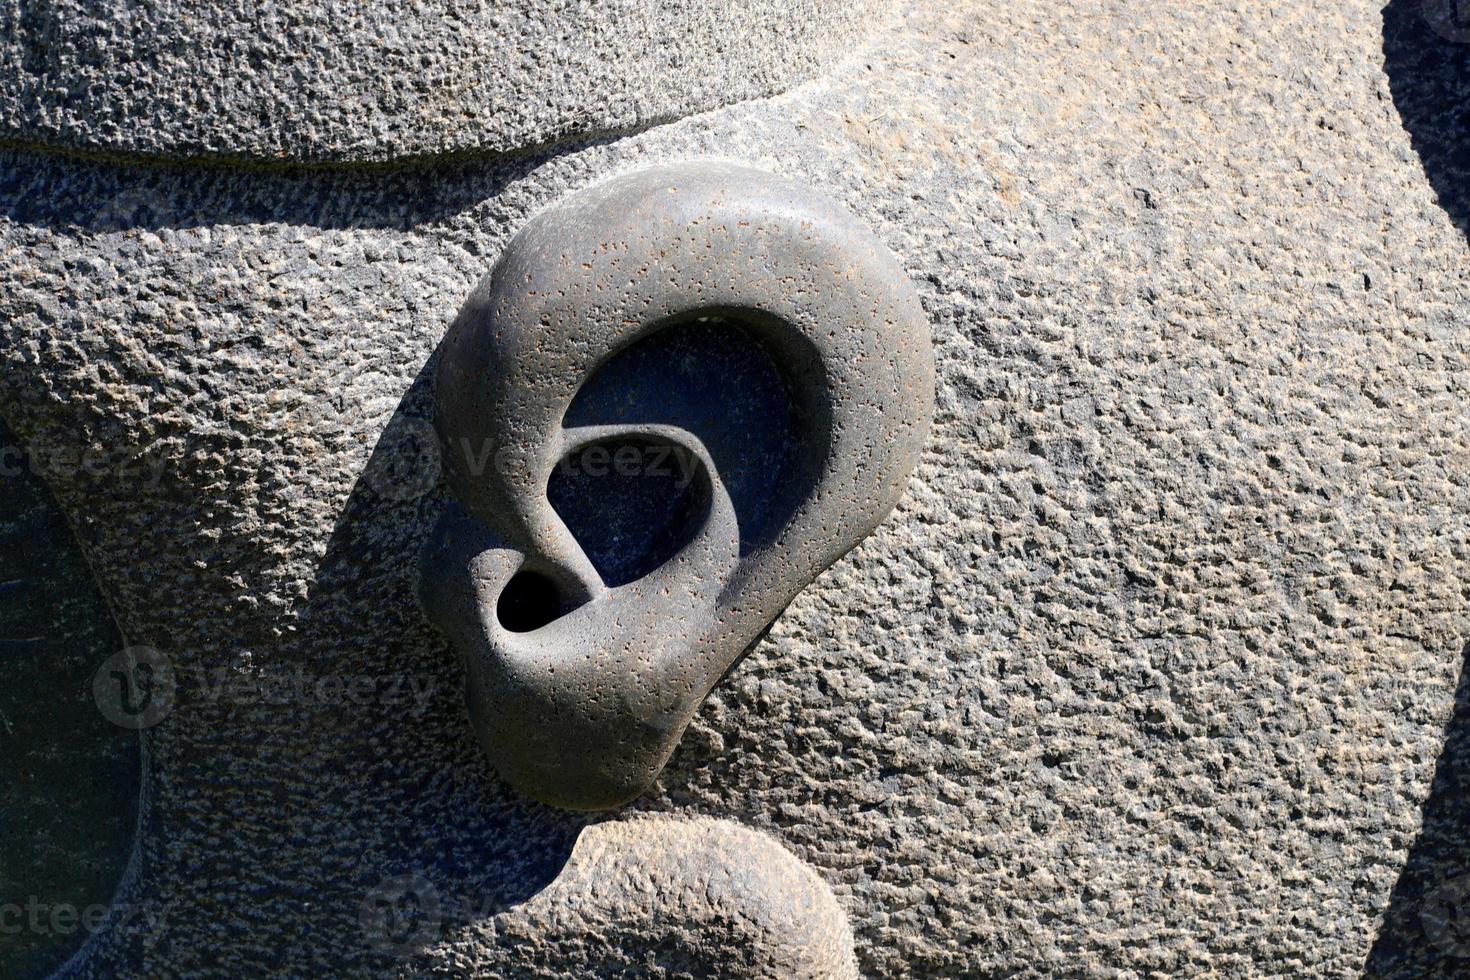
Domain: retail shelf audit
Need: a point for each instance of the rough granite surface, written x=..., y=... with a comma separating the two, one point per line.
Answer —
x=1149, y=674
x=381, y=79
x=725, y=901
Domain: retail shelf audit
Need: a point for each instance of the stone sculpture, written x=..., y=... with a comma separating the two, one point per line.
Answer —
x=1154, y=669
x=617, y=322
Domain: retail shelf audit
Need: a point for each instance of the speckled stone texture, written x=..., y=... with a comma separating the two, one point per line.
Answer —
x=725, y=902
x=376, y=80
x=1149, y=675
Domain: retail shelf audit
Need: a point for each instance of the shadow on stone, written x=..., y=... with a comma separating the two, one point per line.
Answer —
x=1426, y=930
x=1426, y=50
x=330, y=798
x=69, y=778
x=155, y=196
x=366, y=864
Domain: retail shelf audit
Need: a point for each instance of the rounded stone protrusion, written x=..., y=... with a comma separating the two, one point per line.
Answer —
x=376, y=80
x=657, y=897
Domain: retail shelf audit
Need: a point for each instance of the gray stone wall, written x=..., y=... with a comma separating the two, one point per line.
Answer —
x=380, y=80
x=1150, y=672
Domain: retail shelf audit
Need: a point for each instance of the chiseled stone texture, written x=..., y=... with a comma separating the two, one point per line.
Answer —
x=1147, y=676
x=680, y=898
x=377, y=79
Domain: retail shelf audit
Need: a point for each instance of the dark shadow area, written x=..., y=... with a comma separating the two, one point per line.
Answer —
x=374, y=821
x=1426, y=51
x=683, y=375
x=69, y=778
x=290, y=810
x=529, y=601
x=1426, y=930
x=632, y=503
x=123, y=195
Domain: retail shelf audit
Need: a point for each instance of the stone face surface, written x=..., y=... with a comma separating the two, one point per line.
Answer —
x=579, y=702
x=658, y=897
x=1149, y=673
x=376, y=80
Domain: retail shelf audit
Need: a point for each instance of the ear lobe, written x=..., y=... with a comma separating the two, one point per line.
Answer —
x=707, y=309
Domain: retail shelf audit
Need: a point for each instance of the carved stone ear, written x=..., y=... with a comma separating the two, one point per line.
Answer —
x=678, y=397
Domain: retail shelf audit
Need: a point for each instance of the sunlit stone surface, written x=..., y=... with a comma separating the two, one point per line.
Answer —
x=1149, y=674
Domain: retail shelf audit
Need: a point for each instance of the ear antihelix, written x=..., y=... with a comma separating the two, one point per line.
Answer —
x=578, y=701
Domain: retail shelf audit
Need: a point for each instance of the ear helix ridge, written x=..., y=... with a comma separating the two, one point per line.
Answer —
x=583, y=336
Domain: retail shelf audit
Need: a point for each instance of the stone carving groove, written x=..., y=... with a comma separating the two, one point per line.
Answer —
x=743, y=330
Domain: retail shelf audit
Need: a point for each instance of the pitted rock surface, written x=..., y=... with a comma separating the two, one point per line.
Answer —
x=656, y=897
x=1148, y=675
x=329, y=82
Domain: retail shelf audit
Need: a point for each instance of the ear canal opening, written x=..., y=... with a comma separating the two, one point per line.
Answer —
x=529, y=601
x=632, y=502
